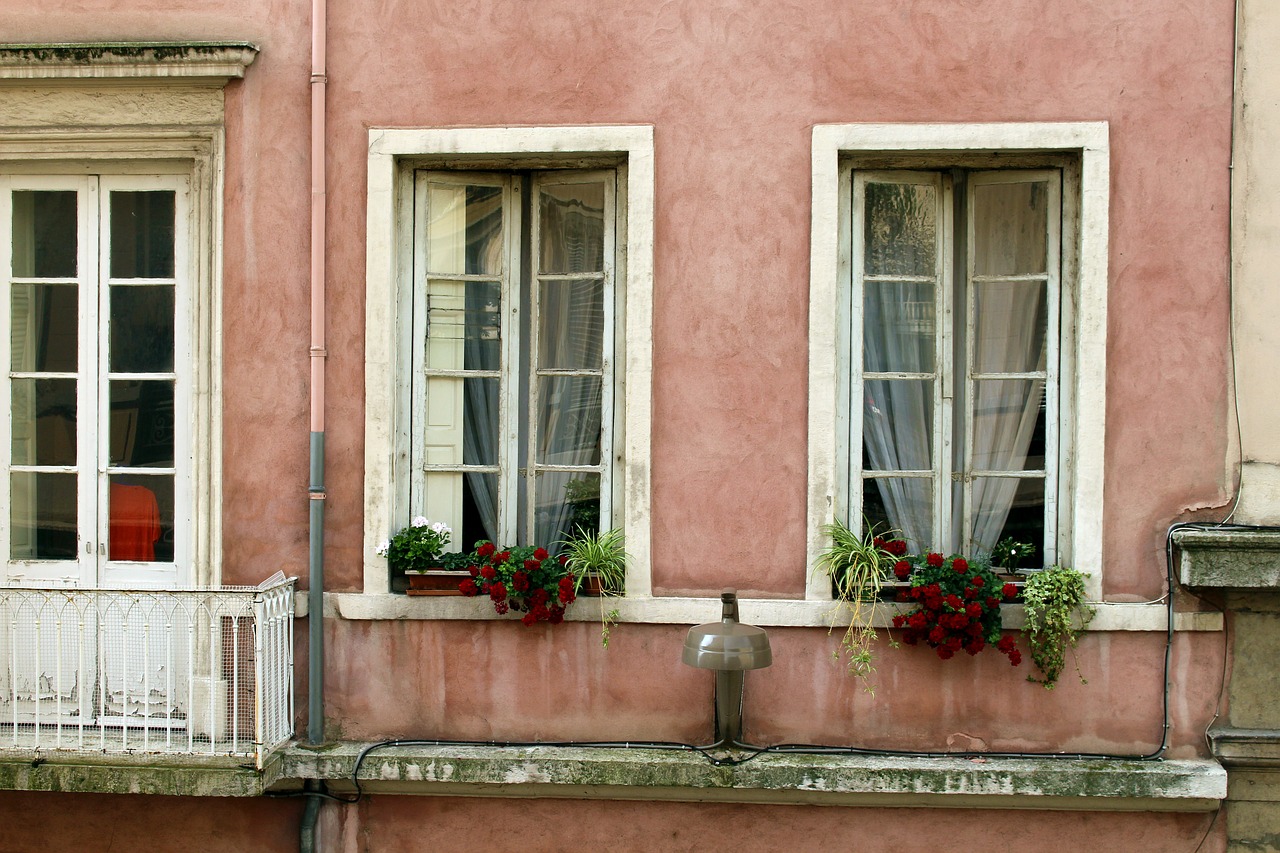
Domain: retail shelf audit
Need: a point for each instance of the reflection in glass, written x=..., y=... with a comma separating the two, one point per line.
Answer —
x=900, y=229
x=571, y=324
x=569, y=420
x=1010, y=322
x=43, y=331
x=1010, y=226
x=898, y=326
x=42, y=516
x=464, y=229
x=141, y=518
x=1005, y=507
x=565, y=502
x=44, y=234
x=464, y=325
x=142, y=234
x=572, y=223
x=142, y=328
x=142, y=423
x=43, y=415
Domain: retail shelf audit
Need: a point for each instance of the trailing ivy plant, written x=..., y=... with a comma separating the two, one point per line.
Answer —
x=857, y=564
x=1053, y=598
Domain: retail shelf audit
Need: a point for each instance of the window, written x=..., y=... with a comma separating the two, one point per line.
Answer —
x=508, y=343
x=954, y=404
x=513, y=353
x=957, y=336
x=95, y=458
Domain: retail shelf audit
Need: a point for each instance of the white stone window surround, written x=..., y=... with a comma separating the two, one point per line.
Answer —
x=388, y=146
x=393, y=154
x=143, y=108
x=1083, y=335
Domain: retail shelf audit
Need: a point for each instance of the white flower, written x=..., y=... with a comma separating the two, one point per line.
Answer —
x=419, y=521
x=383, y=548
x=441, y=527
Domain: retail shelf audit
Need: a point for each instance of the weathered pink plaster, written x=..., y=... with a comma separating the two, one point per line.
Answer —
x=732, y=89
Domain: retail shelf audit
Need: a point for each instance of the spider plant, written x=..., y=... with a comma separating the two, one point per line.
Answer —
x=603, y=556
x=857, y=564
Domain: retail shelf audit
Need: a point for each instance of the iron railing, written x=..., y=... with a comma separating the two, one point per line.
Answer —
x=191, y=671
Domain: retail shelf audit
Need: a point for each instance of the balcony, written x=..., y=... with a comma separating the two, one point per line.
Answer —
x=113, y=677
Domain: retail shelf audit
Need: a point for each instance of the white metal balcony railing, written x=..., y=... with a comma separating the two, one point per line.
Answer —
x=192, y=671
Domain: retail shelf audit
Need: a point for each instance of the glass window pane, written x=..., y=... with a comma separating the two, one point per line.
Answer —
x=566, y=502
x=142, y=234
x=1007, y=507
x=141, y=328
x=1010, y=322
x=903, y=505
x=1010, y=223
x=44, y=421
x=461, y=421
x=569, y=420
x=467, y=502
x=897, y=426
x=44, y=234
x=1008, y=425
x=900, y=229
x=140, y=509
x=571, y=324
x=464, y=325
x=44, y=327
x=142, y=423
x=572, y=223
x=464, y=229
x=42, y=516
x=898, y=326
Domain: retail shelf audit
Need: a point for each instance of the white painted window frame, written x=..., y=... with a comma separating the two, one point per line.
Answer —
x=144, y=109
x=1083, y=323
x=392, y=155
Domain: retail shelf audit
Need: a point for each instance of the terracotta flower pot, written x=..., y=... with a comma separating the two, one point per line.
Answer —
x=435, y=582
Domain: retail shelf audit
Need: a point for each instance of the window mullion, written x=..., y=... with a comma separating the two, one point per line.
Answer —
x=944, y=358
x=1054, y=299
x=509, y=481
x=970, y=302
x=93, y=395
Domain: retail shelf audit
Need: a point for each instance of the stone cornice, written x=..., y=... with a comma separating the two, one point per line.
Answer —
x=212, y=61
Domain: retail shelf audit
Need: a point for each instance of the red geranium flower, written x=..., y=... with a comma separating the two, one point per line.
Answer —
x=540, y=554
x=498, y=591
x=528, y=618
x=961, y=565
x=520, y=581
x=977, y=580
x=902, y=569
x=934, y=560
x=897, y=548
x=468, y=587
x=1009, y=590
x=488, y=573
x=499, y=559
x=486, y=550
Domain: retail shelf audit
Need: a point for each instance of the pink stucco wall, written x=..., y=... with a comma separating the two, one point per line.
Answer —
x=732, y=89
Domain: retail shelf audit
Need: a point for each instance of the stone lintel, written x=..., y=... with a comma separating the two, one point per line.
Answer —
x=632, y=773
x=216, y=61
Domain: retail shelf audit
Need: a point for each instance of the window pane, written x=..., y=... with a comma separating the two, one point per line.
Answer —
x=900, y=229
x=44, y=327
x=464, y=229
x=140, y=509
x=142, y=235
x=463, y=325
x=42, y=516
x=461, y=421
x=901, y=504
x=44, y=234
x=569, y=420
x=142, y=423
x=572, y=223
x=141, y=328
x=44, y=421
x=1008, y=425
x=1009, y=226
x=1007, y=507
x=897, y=430
x=571, y=324
x=898, y=326
x=566, y=501
x=1010, y=319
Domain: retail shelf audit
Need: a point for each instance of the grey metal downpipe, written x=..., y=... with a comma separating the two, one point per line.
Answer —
x=315, y=596
x=307, y=829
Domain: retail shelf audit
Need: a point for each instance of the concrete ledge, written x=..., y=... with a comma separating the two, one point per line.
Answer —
x=1229, y=558
x=219, y=61
x=780, y=778
x=1257, y=748
x=174, y=775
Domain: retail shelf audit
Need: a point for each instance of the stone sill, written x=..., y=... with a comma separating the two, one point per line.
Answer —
x=172, y=775
x=763, y=612
x=217, y=61
x=1229, y=558
x=644, y=774
x=1246, y=748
